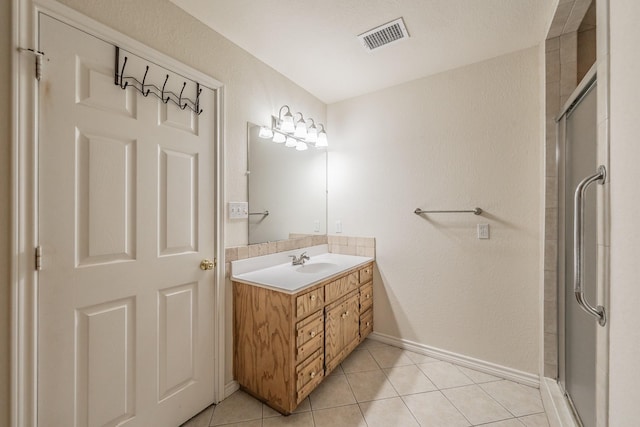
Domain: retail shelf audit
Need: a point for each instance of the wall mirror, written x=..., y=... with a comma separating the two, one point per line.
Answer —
x=287, y=189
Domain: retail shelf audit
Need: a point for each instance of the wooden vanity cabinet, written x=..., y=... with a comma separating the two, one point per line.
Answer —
x=285, y=344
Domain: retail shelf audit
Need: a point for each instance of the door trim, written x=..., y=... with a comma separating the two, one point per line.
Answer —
x=24, y=193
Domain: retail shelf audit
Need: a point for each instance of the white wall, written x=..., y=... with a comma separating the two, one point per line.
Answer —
x=465, y=138
x=624, y=312
x=5, y=206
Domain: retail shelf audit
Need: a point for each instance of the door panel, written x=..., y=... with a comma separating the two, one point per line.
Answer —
x=578, y=377
x=126, y=211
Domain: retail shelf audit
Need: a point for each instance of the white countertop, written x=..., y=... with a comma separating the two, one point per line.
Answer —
x=276, y=272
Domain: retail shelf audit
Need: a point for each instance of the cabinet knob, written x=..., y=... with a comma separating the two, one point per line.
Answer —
x=368, y=323
x=313, y=297
x=312, y=333
x=368, y=296
x=313, y=375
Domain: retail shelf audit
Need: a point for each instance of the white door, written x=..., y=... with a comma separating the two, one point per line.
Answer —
x=126, y=214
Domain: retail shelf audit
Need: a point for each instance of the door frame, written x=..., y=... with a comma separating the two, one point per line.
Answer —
x=24, y=196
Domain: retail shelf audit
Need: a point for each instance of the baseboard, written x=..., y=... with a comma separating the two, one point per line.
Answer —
x=230, y=388
x=555, y=405
x=521, y=377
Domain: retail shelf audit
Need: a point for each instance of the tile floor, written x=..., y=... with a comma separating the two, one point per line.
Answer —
x=381, y=385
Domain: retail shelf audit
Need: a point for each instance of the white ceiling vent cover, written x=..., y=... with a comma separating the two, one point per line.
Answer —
x=384, y=34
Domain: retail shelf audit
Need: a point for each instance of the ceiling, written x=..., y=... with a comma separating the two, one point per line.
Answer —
x=314, y=42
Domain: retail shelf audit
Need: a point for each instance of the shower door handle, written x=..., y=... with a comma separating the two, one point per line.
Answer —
x=578, y=245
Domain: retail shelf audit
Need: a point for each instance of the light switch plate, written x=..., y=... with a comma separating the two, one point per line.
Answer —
x=238, y=210
x=483, y=231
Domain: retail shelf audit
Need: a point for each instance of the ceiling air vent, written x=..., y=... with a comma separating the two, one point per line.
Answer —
x=384, y=34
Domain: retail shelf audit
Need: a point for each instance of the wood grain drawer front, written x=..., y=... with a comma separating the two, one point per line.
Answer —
x=366, y=297
x=308, y=376
x=309, y=302
x=316, y=343
x=366, y=273
x=341, y=287
x=309, y=328
x=366, y=323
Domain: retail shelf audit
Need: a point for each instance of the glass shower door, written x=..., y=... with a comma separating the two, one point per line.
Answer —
x=579, y=332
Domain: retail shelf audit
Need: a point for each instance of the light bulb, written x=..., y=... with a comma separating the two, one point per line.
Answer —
x=312, y=134
x=278, y=138
x=322, y=139
x=265, y=132
x=301, y=129
x=291, y=142
x=301, y=146
x=287, y=123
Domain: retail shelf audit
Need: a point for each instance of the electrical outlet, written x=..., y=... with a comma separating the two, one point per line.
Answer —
x=338, y=226
x=483, y=231
x=238, y=210
x=316, y=225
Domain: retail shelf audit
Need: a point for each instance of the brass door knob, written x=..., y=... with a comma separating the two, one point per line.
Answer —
x=207, y=265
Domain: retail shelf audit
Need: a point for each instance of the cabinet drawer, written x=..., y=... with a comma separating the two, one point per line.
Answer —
x=366, y=324
x=366, y=273
x=316, y=343
x=308, y=375
x=366, y=297
x=341, y=287
x=309, y=302
x=309, y=328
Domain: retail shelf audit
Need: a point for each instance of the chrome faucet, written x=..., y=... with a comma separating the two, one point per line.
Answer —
x=299, y=260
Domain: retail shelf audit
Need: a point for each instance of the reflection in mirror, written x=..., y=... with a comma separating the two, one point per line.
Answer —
x=290, y=185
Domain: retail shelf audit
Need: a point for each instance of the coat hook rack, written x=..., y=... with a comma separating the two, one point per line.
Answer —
x=146, y=89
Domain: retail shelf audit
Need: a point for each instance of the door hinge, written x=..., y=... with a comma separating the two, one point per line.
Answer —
x=215, y=262
x=39, y=258
x=39, y=55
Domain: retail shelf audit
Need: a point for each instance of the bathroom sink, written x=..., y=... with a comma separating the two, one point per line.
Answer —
x=318, y=267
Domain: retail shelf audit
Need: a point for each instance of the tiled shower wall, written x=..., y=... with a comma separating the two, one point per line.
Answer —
x=561, y=80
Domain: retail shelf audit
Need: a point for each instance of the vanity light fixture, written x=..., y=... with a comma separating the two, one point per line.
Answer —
x=294, y=133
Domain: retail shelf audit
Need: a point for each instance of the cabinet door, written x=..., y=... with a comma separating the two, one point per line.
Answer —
x=333, y=336
x=350, y=326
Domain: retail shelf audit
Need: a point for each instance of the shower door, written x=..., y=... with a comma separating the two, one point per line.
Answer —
x=577, y=151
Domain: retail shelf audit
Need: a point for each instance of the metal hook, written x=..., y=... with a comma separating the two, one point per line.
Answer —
x=124, y=64
x=180, y=96
x=145, y=94
x=163, y=86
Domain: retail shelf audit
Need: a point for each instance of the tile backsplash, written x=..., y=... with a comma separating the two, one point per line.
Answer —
x=346, y=245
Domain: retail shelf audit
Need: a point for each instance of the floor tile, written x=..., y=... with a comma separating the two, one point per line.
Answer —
x=434, y=410
x=370, y=385
x=200, y=420
x=444, y=375
x=368, y=343
x=512, y=422
x=345, y=416
x=537, y=420
x=252, y=423
x=294, y=420
x=519, y=399
x=236, y=408
x=476, y=405
x=387, y=413
x=337, y=371
x=333, y=391
x=358, y=361
x=419, y=358
x=477, y=376
x=389, y=357
x=268, y=412
x=408, y=380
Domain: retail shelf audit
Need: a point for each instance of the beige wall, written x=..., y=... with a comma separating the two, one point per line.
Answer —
x=465, y=138
x=5, y=144
x=624, y=312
